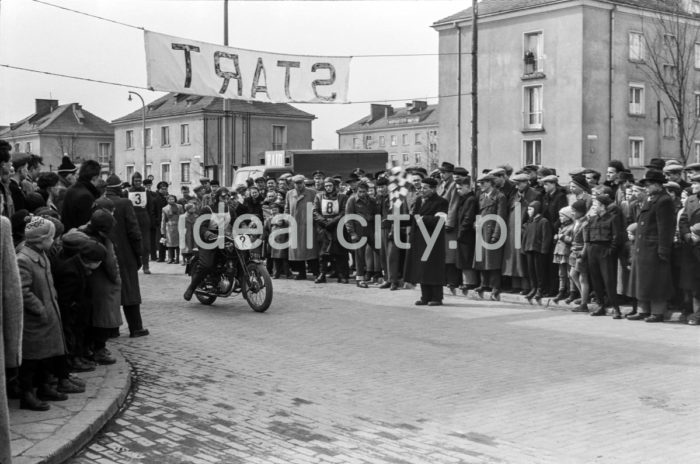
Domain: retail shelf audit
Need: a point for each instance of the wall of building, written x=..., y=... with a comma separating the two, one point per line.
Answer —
x=52, y=147
x=157, y=154
x=298, y=135
x=501, y=103
x=418, y=154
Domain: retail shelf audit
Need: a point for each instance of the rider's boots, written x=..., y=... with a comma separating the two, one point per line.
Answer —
x=197, y=278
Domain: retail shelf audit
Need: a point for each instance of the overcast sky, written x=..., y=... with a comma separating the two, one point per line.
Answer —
x=37, y=36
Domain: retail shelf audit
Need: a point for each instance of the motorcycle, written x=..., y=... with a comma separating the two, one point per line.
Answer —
x=236, y=271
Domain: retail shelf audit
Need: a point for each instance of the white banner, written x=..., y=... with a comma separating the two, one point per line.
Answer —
x=187, y=66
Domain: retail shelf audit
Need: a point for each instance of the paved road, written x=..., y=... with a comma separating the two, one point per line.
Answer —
x=337, y=374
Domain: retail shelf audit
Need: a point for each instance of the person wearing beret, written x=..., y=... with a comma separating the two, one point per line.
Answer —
x=689, y=229
x=299, y=204
x=491, y=202
x=653, y=245
x=126, y=236
x=431, y=210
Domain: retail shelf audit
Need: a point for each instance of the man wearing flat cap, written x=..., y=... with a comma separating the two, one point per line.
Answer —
x=491, y=202
x=299, y=203
x=656, y=224
x=674, y=173
x=430, y=209
x=689, y=227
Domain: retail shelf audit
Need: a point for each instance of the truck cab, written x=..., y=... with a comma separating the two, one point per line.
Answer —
x=241, y=174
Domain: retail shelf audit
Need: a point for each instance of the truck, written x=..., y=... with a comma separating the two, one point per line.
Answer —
x=306, y=162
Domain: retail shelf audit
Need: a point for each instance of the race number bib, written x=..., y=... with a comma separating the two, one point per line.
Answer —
x=243, y=242
x=139, y=199
x=330, y=207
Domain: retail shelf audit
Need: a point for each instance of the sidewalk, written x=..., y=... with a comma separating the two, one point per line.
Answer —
x=55, y=435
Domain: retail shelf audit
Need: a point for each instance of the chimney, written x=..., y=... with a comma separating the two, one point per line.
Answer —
x=419, y=105
x=380, y=111
x=44, y=107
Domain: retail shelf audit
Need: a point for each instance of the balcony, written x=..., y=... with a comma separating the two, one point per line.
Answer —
x=533, y=121
x=533, y=67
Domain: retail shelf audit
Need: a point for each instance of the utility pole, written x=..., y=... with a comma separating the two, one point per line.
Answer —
x=143, y=129
x=475, y=97
x=224, y=128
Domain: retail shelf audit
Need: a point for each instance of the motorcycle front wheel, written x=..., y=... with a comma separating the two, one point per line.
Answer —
x=257, y=289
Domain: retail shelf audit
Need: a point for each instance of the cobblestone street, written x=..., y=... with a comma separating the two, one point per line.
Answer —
x=337, y=374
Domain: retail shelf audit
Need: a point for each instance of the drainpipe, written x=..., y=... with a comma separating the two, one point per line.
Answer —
x=459, y=93
x=610, y=82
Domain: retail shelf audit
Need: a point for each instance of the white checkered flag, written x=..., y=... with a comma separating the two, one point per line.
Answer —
x=397, y=187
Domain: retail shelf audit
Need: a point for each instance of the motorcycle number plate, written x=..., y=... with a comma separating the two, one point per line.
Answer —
x=243, y=242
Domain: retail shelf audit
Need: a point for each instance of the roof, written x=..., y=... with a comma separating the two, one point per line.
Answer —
x=178, y=104
x=489, y=7
x=65, y=118
x=400, y=118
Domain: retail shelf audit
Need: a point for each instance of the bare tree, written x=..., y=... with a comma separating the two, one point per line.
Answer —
x=669, y=65
x=68, y=144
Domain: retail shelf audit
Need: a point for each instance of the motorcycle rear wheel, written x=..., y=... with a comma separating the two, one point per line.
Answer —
x=204, y=298
x=259, y=294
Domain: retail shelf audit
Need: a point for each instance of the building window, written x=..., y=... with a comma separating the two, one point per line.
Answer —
x=533, y=107
x=405, y=157
x=149, y=170
x=165, y=172
x=670, y=127
x=394, y=140
x=165, y=136
x=696, y=55
x=368, y=142
x=417, y=156
x=404, y=139
x=382, y=141
x=184, y=172
x=279, y=137
x=394, y=158
x=356, y=143
x=532, y=152
x=129, y=140
x=28, y=147
x=696, y=150
x=416, y=139
x=697, y=104
x=636, y=151
x=129, y=171
x=147, y=138
x=534, y=53
x=104, y=153
x=636, y=99
x=636, y=42
x=670, y=73
x=184, y=134
x=16, y=147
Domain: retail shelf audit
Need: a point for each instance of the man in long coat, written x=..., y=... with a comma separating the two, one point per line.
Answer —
x=491, y=202
x=447, y=189
x=127, y=240
x=466, y=234
x=431, y=210
x=299, y=204
x=10, y=327
x=77, y=204
x=653, y=243
x=689, y=226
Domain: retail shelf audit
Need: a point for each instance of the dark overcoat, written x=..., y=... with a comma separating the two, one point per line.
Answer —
x=493, y=203
x=126, y=237
x=77, y=204
x=432, y=270
x=537, y=235
x=514, y=264
x=466, y=234
x=42, y=337
x=551, y=204
x=296, y=205
x=690, y=261
x=653, y=243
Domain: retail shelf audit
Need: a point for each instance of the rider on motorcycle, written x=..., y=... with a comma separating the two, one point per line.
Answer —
x=222, y=211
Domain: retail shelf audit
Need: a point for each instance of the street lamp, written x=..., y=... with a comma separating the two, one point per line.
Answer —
x=143, y=129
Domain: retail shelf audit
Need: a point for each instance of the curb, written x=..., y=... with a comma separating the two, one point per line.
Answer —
x=84, y=425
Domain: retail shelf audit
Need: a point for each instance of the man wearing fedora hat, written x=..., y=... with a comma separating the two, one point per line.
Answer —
x=689, y=228
x=653, y=283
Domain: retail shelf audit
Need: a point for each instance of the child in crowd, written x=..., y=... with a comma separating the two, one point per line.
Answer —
x=562, y=250
x=630, y=289
x=577, y=260
x=536, y=243
x=42, y=337
x=169, y=229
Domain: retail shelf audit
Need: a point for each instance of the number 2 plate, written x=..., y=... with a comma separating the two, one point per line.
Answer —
x=243, y=242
